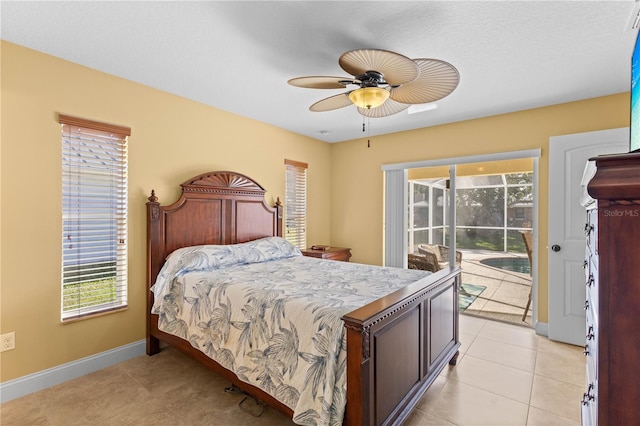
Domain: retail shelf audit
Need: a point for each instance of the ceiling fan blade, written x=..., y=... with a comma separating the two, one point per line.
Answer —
x=389, y=107
x=396, y=68
x=437, y=79
x=333, y=102
x=321, y=82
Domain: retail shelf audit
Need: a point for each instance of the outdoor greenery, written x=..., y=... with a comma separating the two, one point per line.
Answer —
x=90, y=293
x=492, y=240
x=89, y=285
x=480, y=207
x=489, y=208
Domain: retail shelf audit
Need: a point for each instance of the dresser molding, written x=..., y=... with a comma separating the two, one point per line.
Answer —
x=617, y=178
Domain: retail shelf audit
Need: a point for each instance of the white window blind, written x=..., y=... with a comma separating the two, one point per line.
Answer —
x=296, y=203
x=94, y=217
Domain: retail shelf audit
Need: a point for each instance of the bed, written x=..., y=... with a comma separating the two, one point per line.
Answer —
x=397, y=329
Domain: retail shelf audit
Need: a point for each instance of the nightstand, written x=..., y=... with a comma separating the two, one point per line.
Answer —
x=331, y=253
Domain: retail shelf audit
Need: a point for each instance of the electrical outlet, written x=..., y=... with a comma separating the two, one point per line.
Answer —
x=8, y=341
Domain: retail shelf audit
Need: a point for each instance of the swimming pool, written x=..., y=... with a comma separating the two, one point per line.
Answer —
x=513, y=264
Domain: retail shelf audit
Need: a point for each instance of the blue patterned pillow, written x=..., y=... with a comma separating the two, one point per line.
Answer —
x=272, y=248
x=211, y=257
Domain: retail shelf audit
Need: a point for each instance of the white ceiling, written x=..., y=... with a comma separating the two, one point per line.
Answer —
x=238, y=56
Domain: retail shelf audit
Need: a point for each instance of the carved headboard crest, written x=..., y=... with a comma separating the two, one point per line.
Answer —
x=228, y=182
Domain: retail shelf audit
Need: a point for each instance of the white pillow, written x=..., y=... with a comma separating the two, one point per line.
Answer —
x=211, y=257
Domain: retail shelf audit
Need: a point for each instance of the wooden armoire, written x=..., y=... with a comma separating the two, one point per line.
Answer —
x=612, y=269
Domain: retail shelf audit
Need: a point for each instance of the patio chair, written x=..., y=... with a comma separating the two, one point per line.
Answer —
x=438, y=255
x=423, y=262
x=527, y=238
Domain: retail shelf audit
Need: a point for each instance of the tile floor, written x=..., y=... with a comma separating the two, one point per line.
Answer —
x=506, y=293
x=506, y=375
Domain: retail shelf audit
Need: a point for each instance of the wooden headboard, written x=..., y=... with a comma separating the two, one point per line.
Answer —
x=214, y=208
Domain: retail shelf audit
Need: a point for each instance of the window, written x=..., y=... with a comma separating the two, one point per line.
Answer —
x=296, y=203
x=491, y=210
x=94, y=217
x=486, y=207
x=427, y=212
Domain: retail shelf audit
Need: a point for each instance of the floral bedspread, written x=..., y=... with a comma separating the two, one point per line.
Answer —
x=272, y=316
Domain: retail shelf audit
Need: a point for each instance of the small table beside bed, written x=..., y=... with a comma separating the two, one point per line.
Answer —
x=322, y=342
x=342, y=254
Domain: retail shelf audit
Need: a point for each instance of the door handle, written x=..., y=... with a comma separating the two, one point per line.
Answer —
x=556, y=248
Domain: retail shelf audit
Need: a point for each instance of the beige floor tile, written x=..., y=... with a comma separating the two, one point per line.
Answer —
x=479, y=279
x=492, y=375
x=520, y=279
x=463, y=404
x=567, y=367
x=557, y=397
x=538, y=417
x=448, y=369
x=94, y=398
x=500, y=307
x=153, y=411
x=476, y=269
x=465, y=341
x=477, y=305
x=167, y=370
x=514, y=276
x=512, y=294
x=558, y=348
x=433, y=391
x=27, y=410
x=471, y=325
x=503, y=353
x=496, y=378
x=506, y=333
x=422, y=418
x=198, y=406
x=510, y=318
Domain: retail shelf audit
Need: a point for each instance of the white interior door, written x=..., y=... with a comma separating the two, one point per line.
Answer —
x=567, y=158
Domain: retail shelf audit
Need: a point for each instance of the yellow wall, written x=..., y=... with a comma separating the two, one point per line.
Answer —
x=172, y=140
x=357, y=178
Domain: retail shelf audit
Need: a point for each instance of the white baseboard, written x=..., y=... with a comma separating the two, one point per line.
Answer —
x=25, y=385
x=542, y=328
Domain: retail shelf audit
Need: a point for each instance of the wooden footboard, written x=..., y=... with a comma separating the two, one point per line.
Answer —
x=397, y=346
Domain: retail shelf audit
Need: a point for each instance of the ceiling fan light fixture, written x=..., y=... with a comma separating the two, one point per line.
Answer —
x=369, y=97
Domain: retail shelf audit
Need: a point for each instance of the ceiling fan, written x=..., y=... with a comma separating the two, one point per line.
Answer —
x=387, y=82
